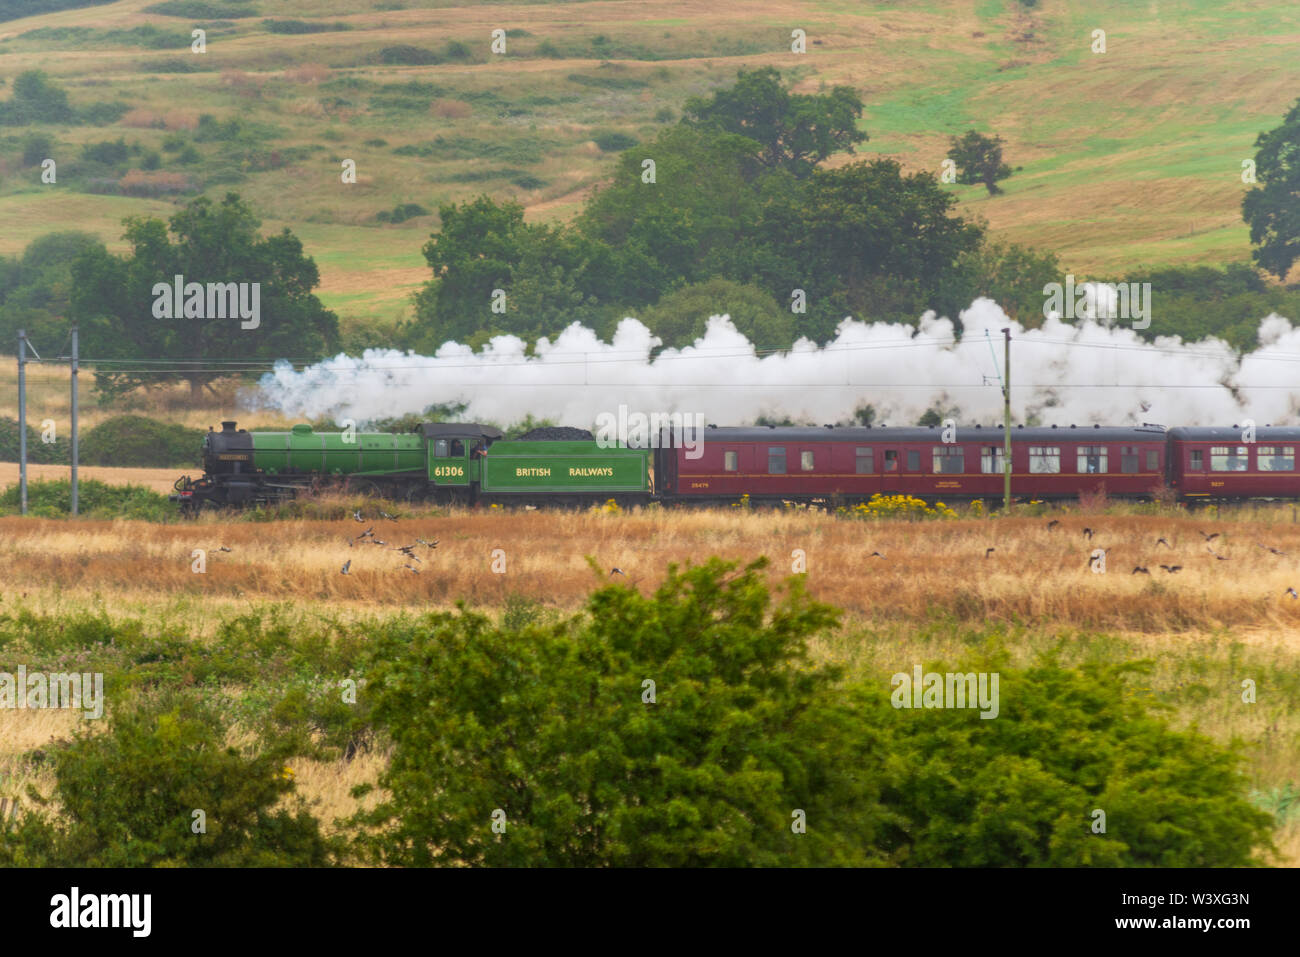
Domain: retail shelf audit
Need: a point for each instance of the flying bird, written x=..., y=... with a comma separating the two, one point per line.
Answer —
x=223, y=548
x=1161, y=541
x=1271, y=549
x=1208, y=538
x=617, y=571
x=1139, y=570
x=875, y=555
x=387, y=516
x=346, y=566
x=989, y=551
x=1052, y=524
x=412, y=568
x=1291, y=592
x=1172, y=568
x=378, y=542
x=1087, y=533
x=368, y=531
x=357, y=515
x=432, y=544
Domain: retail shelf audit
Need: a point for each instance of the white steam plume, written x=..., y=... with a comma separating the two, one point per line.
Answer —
x=1081, y=373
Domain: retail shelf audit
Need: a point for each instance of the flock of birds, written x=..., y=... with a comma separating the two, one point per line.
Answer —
x=1169, y=569
x=368, y=536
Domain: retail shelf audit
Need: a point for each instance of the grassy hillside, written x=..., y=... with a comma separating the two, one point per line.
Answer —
x=1130, y=157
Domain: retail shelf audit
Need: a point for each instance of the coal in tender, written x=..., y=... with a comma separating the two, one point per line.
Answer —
x=556, y=433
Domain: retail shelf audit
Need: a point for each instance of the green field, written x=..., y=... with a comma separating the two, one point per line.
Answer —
x=1128, y=158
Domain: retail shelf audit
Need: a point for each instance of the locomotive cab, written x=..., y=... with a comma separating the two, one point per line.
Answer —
x=455, y=457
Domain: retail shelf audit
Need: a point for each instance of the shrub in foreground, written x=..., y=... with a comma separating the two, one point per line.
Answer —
x=129, y=798
x=551, y=727
x=550, y=733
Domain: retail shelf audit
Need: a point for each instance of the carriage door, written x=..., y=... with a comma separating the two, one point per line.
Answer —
x=890, y=468
x=449, y=462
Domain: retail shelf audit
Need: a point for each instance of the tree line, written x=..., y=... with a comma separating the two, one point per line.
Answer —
x=734, y=210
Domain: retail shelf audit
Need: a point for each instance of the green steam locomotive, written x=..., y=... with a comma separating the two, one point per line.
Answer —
x=442, y=462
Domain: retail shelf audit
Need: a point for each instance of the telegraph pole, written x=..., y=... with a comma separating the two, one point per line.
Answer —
x=1006, y=424
x=22, y=421
x=74, y=420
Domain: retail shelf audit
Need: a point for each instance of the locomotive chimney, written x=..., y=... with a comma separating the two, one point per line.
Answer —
x=228, y=426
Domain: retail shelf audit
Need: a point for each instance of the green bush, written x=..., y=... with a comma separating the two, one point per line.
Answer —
x=614, y=142
x=109, y=152
x=204, y=9
x=95, y=499
x=548, y=725
x=36, y=149
x=545, y=728
x=455, y=50
x=407, y=55
x=129, y=797
x=302, y=26
x=1021, y=790
x=133, y=441
x=38, y=452
x=401, y=213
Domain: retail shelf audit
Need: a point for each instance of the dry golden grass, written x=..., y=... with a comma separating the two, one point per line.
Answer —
x=159, y=480
x=452, y=109
x=931, y=570
x=308, y=73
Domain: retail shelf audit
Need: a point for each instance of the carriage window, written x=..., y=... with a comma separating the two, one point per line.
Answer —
x=806, y=461
x=1128, y=459
x=891, y=460
x=1044, y=459
x=1275, y=458
x=1198, y=461
x=440, y=449
x=457, y=447
x=913, y=460
x=730, y=462
x=949, y=460
x=1228, y=458
x=991, y=460
x=776, y=461
x=1153, y=460
x=1092, y=458
x=864, y=463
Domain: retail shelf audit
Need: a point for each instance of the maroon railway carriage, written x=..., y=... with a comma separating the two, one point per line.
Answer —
x=1219, y=463
x=851, y=463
